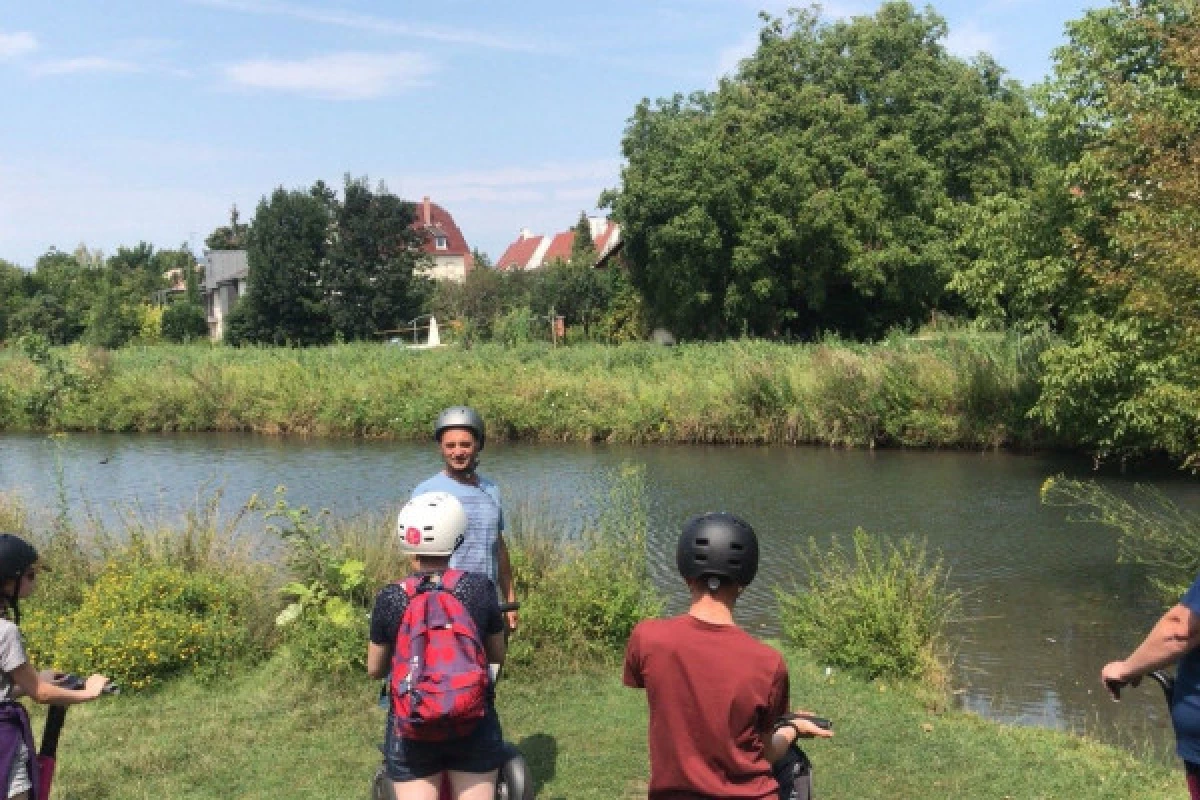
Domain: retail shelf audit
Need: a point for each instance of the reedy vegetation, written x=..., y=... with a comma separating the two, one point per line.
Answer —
x=1151, y=530
x=943, y=390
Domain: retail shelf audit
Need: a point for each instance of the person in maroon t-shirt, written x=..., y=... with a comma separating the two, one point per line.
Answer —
x=716, y=694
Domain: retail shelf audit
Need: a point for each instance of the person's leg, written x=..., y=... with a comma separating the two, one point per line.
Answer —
x=418, y=789
x=473, y=785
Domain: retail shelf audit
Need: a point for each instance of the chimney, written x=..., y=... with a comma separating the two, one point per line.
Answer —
x=525, y=234
x=426, y=204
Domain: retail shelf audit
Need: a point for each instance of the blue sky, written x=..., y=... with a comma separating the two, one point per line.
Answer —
x=135, y=120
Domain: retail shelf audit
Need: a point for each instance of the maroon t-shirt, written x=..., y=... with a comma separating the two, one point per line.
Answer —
x=714, y=693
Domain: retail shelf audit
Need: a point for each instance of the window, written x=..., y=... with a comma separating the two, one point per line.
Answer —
x=439, y=242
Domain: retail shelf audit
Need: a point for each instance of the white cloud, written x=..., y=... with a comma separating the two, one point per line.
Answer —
x=74, y=66
x=13, y=45
x=969, y=40
x=341, y=76
x=377, y=25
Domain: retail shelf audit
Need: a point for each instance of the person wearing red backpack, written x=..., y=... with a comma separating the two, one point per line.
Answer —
x=433, y=636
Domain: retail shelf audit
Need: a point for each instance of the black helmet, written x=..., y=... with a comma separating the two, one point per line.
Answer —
x=16, y=556
x=718, y=544
x=460, y=417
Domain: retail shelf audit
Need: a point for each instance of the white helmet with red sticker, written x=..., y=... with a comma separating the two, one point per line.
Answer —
x=431, y=524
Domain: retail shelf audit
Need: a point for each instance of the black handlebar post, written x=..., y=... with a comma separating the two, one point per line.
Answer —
x=1167, y=683
x=57, y=715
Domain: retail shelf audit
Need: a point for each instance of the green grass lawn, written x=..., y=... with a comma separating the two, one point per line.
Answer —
x=271, y=733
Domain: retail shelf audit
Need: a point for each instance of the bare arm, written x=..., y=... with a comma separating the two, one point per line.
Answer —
x=778, y=742
x=1175, y=633
x=379, y=660
x=34, y=686
x=504, y=570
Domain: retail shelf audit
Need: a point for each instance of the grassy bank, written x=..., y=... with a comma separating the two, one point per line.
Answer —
x=271, y=733
x=942, y=390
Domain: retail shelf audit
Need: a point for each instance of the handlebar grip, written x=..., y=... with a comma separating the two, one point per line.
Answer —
x=821, y=722
x=506, y=607
x=76, y=682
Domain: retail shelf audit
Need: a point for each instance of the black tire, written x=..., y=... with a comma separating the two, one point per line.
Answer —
x=381, y=786
x=514, y=781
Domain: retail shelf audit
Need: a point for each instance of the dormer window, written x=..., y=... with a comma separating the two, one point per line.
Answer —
x=439, y=242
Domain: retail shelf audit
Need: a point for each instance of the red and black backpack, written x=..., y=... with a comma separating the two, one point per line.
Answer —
x=440, y=681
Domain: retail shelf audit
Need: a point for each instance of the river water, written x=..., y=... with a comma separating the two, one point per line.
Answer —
x=1047, y=603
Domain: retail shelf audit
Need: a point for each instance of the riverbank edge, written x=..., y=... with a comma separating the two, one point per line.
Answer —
x=952, y=391
x=271, y=732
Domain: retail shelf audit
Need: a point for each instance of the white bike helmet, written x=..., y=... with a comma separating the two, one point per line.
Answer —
x=431, y=524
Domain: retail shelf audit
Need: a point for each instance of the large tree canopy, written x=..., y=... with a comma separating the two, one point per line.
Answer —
x=321, y=266
x=1126, y=105
x=805, y=194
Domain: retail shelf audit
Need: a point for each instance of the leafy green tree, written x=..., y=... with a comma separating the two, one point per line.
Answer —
x=73, y=288
x=480, y=259
x=229, y=237
x=483, y=297
x=371, y=273
x=184, y=321
x=583, y=247
x=573, y=289
x=43, y=314
x=12, y=295
x=1127, y=380
x=284, y=301
x=112, y=320
x=809, y=192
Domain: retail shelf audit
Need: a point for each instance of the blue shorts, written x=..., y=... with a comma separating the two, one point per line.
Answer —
x=482, y=750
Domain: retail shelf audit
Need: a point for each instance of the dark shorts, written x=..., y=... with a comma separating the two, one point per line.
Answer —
x=482, y=750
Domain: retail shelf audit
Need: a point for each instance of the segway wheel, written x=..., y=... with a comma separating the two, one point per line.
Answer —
x=381, y=786
x=514, y=781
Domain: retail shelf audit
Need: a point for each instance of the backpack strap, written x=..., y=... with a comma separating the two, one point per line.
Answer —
x=450, y=579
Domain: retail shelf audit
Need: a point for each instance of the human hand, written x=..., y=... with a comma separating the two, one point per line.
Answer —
x=510, y=618
x=1115, y=677
x=806, y=727
x=94, y=685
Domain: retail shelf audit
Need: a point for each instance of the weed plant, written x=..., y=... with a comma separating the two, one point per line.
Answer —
x=1151, y=530
x=876, y=608
x=581, y=598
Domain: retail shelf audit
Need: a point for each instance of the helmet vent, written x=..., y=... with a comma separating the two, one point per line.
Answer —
x=701, y=557
x=736, y=546
x=702, y=541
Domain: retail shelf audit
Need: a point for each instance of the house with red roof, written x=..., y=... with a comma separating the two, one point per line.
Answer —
x=444, y=243
x=531, y=250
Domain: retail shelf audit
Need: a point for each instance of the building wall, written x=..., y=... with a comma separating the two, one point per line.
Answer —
x=448, y=268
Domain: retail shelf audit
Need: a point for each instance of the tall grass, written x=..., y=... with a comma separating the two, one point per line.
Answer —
x=582, y=597
x=1151, y=530
x=956, y=390
x=877, y=608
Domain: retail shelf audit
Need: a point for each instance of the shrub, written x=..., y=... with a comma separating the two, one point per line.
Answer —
x=140, y=623
x=183, y=322
x=879, y=610
x=581, y=600
x=325, y=626
x=1152, y=531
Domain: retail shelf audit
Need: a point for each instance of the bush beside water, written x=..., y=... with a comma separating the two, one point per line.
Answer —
x=876, y=608
x=957, y=389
